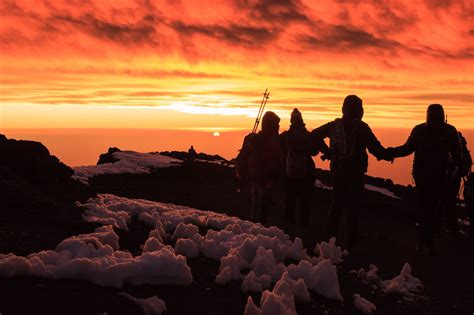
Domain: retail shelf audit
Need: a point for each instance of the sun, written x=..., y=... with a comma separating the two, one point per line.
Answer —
x=216, y=134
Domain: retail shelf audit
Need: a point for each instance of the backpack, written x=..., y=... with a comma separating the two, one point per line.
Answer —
x=296, y=163
x=469, y=190
x=466, y=159
x=246, y=160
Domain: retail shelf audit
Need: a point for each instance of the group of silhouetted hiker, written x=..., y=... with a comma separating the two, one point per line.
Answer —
x=270, y=163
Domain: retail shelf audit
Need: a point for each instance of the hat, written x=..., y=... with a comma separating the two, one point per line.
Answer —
x=296, y=117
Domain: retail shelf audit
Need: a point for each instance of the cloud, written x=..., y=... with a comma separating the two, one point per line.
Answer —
x=246, y=36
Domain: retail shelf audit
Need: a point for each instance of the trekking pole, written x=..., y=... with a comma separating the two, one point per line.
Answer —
x=266, y=95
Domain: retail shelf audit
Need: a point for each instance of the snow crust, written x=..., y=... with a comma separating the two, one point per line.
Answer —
x=363, y=305
x=150, y=306
x=405, y=284
x=237, y=244
x=128, y=162
x=95, y=257
x=384, y=191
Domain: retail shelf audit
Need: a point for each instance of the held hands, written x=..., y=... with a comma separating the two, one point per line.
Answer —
x=389, y=155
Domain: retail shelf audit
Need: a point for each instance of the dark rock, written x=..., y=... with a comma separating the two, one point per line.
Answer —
x=28, y=166
x=108, y=157
x=38, y=197
x=182, y=155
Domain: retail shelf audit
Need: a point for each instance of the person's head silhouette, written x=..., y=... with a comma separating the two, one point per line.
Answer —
x=352, y=108
x=435, y=115
x=270, y=122
x=296, y=117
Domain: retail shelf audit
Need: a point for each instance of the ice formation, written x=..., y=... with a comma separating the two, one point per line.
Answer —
x=329, y=250
x=404, y=284
x=363, y=305
x=150, y=306
x=384, y=191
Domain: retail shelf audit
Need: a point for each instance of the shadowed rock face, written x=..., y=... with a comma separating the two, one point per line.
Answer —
x=28, y=165
x=108, y=157
x=37, y=197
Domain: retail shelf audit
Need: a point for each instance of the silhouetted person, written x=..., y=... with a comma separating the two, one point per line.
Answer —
x=350, y=138
x=191, y=156
x=299, y=167
x=434, y=143
x=261, y=164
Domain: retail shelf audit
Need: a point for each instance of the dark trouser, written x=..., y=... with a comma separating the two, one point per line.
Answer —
x=450, y=204
x=346, y=195
x=298, y=190
x=430, y=192
x=261, y=201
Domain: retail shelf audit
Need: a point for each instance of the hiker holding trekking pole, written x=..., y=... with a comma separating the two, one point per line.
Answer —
x=259, y=165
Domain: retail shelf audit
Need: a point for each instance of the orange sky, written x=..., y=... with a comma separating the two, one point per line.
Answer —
x=204, y=64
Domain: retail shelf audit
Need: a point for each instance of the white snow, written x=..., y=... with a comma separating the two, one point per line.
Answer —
x=152, y=305
x=255, y=283
x=93, y=258
x=237, y=244
x=224, y=276
x=251, y=308
x=128, y=162
x=363, y=305
x=403, y=284
x=384, y=191
x=321, y=278
x=186, y=247
x=329, y=251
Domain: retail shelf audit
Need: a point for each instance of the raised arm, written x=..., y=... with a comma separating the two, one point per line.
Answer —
x=405, y=149
x=318, y=135
x=375, y=148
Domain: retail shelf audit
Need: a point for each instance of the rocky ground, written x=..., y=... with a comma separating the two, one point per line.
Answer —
x=39, y=211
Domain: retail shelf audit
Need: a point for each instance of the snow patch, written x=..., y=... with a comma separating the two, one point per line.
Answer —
x=151, y=306
x=363, y=305
x=186, y=247
x=384, y=191
x=129, y=162
x=404, y=284
x=94, y=259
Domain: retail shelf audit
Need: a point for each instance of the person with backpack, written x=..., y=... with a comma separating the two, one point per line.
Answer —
x=259, y=165
x=299, y=168
x=434, y=143
x=350, y=138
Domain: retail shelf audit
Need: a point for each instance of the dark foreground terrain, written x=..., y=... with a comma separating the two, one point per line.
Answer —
x=39, y=218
